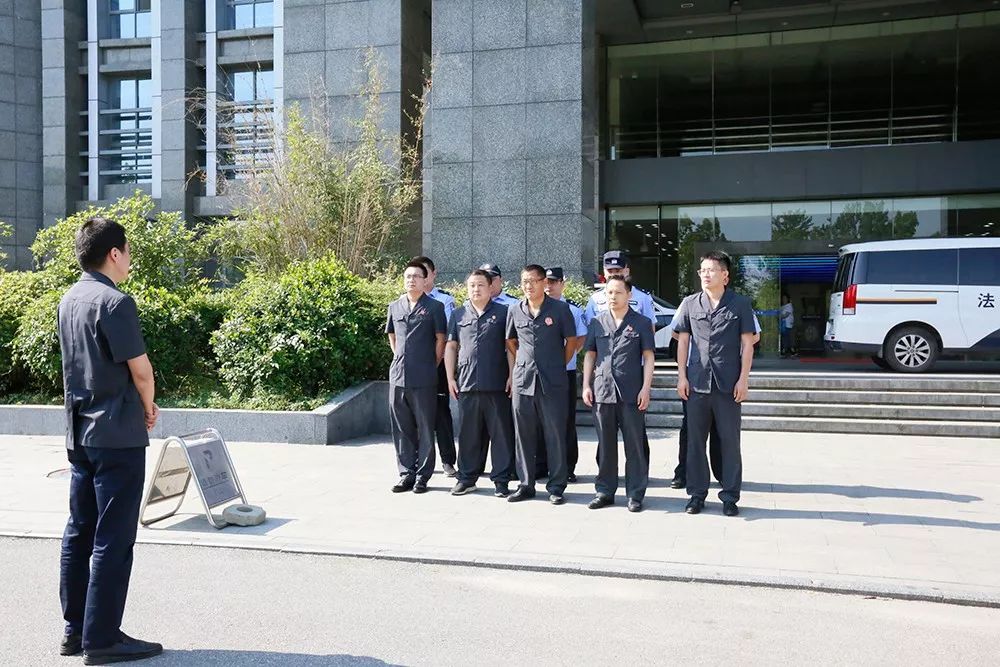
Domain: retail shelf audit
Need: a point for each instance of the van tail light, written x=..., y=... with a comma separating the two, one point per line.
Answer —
x=850, y=300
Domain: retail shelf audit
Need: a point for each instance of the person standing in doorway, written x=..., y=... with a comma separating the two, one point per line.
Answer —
x=786, y=322
x=416, y=327
x=540, y=331
x=444, y=427
x=714, y=355
x=109, y=394
x=617, y=382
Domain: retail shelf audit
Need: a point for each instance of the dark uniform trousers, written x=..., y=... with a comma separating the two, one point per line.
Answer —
x=412, y=415
x=444, y=428
x=610, y=418
x=546, y=414
x=722, y=410
x=485, y=426
x=714, y=457
x=96, y=563
x=572, y=443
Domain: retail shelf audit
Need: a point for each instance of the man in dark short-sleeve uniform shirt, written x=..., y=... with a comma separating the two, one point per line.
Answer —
x=715, y=330
x=416, y=327
x=109, y=390
x=538, y=330
x=478, y=376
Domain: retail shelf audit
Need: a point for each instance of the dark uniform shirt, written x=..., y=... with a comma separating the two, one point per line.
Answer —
x=618, y=368
x=98, y=333
x=714, y=360
x=482, y=348
x=541, y=351
x=414, y=365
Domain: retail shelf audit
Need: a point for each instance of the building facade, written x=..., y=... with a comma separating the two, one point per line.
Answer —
x=775, y=129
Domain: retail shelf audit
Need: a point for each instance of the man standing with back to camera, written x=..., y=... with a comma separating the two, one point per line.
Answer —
x=109, y=391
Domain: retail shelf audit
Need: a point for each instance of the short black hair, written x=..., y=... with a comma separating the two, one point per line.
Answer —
x=722, y=258
x=621, y=279
x=416, y=264
x=480, y=272
x=534, y=268
x=426, y=261
x=95, y=239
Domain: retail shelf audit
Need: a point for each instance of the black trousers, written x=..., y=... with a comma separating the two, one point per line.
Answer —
x=105, y=493
x=444, y=428
x=714, y=457
x=572, y=444
x=412, y=413
x=720, y=408
x=485, y=425
x=610, y=418
x=545, y=414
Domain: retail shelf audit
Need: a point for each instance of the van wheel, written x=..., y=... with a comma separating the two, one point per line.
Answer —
x=911, y=350
x=880, y=362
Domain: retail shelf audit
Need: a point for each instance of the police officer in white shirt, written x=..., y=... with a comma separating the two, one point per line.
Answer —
x=616, y=264
x=444, y=429
x=496, y=286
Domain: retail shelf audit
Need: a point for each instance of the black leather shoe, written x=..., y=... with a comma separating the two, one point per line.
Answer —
x=403, y=485
x=522, y=493
x=599, y=501
x=124, y=650
x=634, y=506
x=678, y=483
x=462, y=488
x=420, y=486
x=729, y=508
x=571, y=478
x=502, y=490
x=695, y=506
x=449, y=470
x=71, y=644
x=557, y=499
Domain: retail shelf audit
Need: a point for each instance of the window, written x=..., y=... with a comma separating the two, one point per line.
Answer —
x=251, y=13
x=126, y=131
x=913, y=267
x=979, y=266
x=129, y=18
x=845, y=272
x=246, y=118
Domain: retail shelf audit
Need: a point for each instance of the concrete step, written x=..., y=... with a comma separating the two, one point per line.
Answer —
x=976, y=429
x=966, y=399
x=860, y=382
x=852, y=411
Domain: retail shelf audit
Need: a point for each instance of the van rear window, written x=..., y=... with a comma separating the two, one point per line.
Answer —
x=845, y=269
x=913, y=267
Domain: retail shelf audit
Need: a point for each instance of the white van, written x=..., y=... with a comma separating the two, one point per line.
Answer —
x=907, y=302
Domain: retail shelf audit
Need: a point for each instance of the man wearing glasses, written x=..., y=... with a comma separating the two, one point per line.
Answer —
x=715, y=329
x=539, y=332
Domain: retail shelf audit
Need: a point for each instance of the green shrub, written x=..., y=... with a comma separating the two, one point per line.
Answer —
x=312, y=331
x=17, y=290
x=36, y=344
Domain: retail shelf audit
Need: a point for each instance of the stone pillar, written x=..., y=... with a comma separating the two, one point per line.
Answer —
x=513, y=127
x=180, y=22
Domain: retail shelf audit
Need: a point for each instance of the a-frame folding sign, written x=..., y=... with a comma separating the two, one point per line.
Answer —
x=205, y=455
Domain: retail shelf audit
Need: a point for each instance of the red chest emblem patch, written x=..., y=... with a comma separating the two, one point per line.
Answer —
x=548, y=321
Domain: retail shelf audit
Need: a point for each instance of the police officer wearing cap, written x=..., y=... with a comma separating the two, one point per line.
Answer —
x=496, y=286
x=616, y=264
x=416, y=327
x=479, y=379
x=555, y=283
x=444, y=429
x=540, y=333
x=617, y=382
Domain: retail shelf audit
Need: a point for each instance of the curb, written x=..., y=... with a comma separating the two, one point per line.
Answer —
x=598, y=567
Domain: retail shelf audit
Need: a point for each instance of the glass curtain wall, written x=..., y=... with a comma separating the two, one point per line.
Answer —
x=245, y=121
x=919, y=80
x=126, y=142
x=782, y=248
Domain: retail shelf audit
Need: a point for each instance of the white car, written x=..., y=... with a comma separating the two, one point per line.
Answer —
x=905, y=303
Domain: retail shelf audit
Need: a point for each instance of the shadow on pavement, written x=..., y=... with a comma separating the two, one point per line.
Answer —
x=197, y=523
x=227, y=658
x=867, y=519
x=859, y=491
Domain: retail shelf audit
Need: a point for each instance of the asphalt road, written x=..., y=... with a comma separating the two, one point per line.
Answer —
x=212, y=606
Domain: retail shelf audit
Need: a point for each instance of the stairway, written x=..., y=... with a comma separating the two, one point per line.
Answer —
x=862, y=402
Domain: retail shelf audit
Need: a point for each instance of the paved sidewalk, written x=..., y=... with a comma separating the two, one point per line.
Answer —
x=884, y=515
